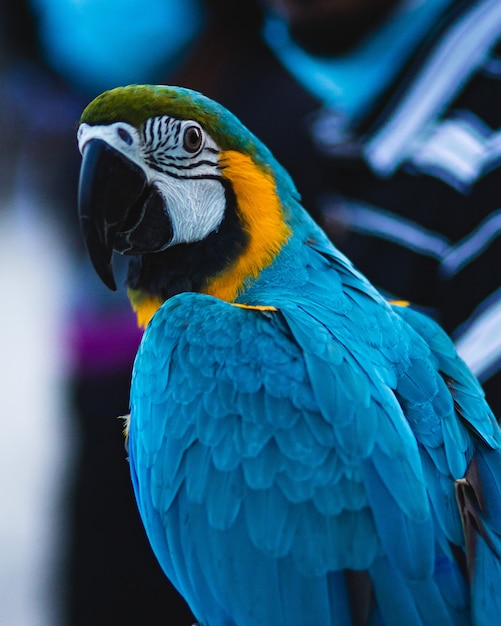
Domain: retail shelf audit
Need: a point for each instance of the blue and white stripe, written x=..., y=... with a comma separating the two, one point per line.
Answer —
x=472, y=246
x=374, y=221
x=457, y=56
x=478, y=341
x=369, y=220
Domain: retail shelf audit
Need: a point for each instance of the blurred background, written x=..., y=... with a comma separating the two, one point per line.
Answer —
x=406, y=182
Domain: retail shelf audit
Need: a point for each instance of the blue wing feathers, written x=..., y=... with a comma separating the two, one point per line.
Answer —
x=225, y=454
x=452, y=585
x=222, y=400
x=489, y=463
x=418, y=381
x=348, y=493
x=409, y=491
x=432, y=606
x=356, y=438
x=251, y=437
x=225, y=491
x=198, y=462
x=486, y=599
x=260, y=471
x=301, y=443
x=465, y=389
x=408, y=540
x=320, y=428
x=266, y=509
x=325, y=544
x=442, y=499
x=455, y=444
x=393, y=595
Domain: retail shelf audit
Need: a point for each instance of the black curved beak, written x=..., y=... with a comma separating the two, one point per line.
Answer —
x=109, y=185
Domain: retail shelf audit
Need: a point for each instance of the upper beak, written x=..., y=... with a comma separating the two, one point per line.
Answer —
x=109, y=185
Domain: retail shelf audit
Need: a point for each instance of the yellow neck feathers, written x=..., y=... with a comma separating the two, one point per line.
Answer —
x=261, y=215
x=143, y=305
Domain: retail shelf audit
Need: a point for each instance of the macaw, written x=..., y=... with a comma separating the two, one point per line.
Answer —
x=303, y=451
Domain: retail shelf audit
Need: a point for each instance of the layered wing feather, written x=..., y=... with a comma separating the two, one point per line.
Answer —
x=274, y=453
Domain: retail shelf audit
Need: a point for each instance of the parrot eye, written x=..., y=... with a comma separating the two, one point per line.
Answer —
x=125, y=136
x=192, y=139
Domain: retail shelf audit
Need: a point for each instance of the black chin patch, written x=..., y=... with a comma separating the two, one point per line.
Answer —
x=187, y=267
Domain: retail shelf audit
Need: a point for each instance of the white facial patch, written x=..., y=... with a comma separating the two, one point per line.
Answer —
x=196, y=206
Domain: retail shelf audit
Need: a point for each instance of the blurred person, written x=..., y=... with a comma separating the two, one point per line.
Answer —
x=386, y=113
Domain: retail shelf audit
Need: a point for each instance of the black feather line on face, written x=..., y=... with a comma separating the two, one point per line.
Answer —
x=188, y=267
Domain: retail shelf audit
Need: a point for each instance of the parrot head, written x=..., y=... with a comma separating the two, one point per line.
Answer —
x=173, y=179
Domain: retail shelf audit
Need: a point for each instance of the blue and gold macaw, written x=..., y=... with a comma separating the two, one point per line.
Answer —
x=303, y=452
